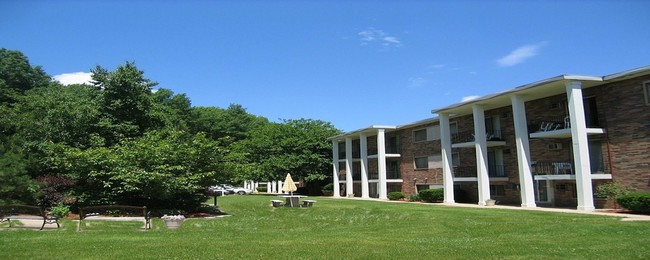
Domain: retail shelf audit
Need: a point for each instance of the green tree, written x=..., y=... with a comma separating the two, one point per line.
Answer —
x=299, y=147
x=126, y=101
x=234, y=122
x=18, y=76
x=162, y=169
x=170, y=111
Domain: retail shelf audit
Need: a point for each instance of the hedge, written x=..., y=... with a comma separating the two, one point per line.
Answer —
x=432, y=195
x=638, y=202
x=395, y=195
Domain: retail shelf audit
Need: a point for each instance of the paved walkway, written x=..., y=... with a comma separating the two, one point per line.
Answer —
x=599, y=212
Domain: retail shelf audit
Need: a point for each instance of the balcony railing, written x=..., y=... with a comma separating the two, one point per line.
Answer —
x=496, y=171
x=470, y=171
x=552, y=168
x=468, y=136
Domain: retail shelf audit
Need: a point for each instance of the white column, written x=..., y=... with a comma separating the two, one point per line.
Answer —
x=381, y=163
x=273, y=187
x=363, y=146
x=335, y=169
x=348, y=168
x=280, y=187
x=480, y=144
x=268, y=187
x=447, y=162
x=526, y=186
x=581, y=161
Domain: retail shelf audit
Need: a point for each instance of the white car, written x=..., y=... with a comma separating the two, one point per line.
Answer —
x=240, y=190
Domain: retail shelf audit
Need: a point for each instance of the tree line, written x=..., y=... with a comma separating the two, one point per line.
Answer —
x=116, y=141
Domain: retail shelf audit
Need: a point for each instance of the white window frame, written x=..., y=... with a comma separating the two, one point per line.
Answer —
x=415, y=164
x=426, y=135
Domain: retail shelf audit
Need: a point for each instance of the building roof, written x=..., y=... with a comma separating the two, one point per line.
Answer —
x=536, y=90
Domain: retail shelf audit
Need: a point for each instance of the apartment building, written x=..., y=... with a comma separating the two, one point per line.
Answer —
x=547, y=143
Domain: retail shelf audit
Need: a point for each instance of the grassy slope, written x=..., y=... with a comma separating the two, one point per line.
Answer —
x=335, y=229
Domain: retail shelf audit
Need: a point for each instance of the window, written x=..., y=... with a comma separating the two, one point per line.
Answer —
x=497, y=190
x=420, y=135
x=646, y=92
x=421, y=162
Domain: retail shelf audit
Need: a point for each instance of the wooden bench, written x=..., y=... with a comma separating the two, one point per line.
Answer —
x=9, y=212
x=276, y=203
x=308, y=203
x=114, y=212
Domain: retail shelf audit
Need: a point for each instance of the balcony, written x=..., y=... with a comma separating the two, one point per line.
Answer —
x=559, y=127
x=469, y=173
x=466, y=139
x=559, y=170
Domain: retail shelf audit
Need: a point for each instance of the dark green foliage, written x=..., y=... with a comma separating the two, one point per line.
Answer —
x=261, y=189
x=60, y=211
x=432, y=195
x=121, y=143
x=638, y=202
x=395, y=195
x=414, y=198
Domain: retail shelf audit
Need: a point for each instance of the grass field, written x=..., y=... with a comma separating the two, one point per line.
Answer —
x=343, y=229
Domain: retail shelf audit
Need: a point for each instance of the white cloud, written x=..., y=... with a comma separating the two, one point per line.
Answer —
x=520, y=54
x=74, y=78
x=372, y=35
x=469, y=98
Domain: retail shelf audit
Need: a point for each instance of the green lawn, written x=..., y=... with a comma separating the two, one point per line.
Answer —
x=343, y=229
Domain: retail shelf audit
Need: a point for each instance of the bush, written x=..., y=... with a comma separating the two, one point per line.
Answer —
x=432, y=195
x=60, y=210
x=395, y=195
x=261, y=189
x=328, y=186
x=638, y=202
x=414, y=198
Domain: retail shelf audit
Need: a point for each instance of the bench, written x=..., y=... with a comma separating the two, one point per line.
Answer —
x=276, y=203
x=308, y=203
x=114, y=212
x=9, y=212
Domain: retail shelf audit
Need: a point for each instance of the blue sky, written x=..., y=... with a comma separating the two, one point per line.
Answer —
x=351, y=63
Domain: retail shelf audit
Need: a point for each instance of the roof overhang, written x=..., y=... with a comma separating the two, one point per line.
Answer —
x=541, y=89
x=371, y=130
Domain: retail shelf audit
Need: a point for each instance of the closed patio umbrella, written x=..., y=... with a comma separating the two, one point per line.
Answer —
x=289, y=186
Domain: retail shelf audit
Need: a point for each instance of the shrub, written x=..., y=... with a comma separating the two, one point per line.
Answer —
x=328, y=186
x=395, y=195
x=414, y=198
x=60, y=210
x=612, y=190
x=261, y=189
x=432, y=195
x=638, y=202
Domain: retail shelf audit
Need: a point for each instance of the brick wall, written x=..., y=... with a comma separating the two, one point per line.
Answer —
x=411, y=149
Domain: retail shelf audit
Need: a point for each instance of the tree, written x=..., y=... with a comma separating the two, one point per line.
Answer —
x=18, y=76
x=163, y=169
x=170, y=111
x=234, y=122
x=299, y=147
x=126, y=101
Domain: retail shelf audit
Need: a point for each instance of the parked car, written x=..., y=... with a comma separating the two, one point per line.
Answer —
x=242, y=191
x=221, y=190
x=238, y=190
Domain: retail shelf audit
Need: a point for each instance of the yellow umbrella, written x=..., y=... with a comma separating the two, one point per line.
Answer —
x=289, y=186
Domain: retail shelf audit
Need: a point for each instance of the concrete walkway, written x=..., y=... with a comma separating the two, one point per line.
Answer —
x=598, y=212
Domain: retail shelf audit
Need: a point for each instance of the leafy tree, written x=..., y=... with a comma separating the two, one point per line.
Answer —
x=59, y=114
x=162, y=169
x=233, y=122
x=170, y=110
x=126, y=101
x=18, y=76
x=299, y=147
